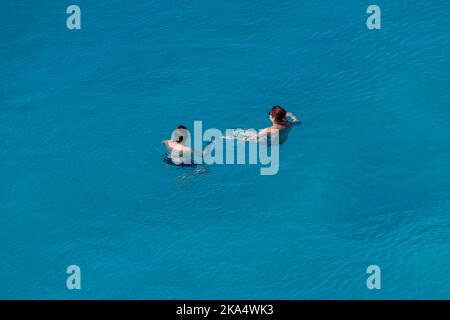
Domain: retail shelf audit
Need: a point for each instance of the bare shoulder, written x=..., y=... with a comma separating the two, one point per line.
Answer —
x=168, y=143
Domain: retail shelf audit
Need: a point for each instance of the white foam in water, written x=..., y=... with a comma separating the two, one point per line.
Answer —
x=243, y=135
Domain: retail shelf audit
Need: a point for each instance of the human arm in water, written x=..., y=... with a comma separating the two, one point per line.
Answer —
x=177, y=147
x=295, y=120
x=207, y=149
x=181, y=149
x=263, y=134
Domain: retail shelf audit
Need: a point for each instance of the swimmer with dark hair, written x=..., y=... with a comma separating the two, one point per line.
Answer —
x=281, y=125
x=178, y=152
x=280, y=128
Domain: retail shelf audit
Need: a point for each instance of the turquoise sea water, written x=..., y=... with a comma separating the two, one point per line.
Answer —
x=364, y=181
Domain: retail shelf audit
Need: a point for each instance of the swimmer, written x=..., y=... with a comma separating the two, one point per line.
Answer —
x=281, y=127
x=280, y=124
x=177, y=151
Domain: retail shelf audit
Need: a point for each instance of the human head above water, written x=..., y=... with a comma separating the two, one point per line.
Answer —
x=278, y=114
x=180, y=134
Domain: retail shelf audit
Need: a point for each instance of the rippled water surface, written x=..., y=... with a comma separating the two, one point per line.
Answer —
x=364, y=181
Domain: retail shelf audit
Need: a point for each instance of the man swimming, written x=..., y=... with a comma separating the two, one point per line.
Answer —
x=177, y=151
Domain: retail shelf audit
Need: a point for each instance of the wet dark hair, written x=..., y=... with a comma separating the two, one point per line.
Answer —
x=180, y=136
x=278, y=113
